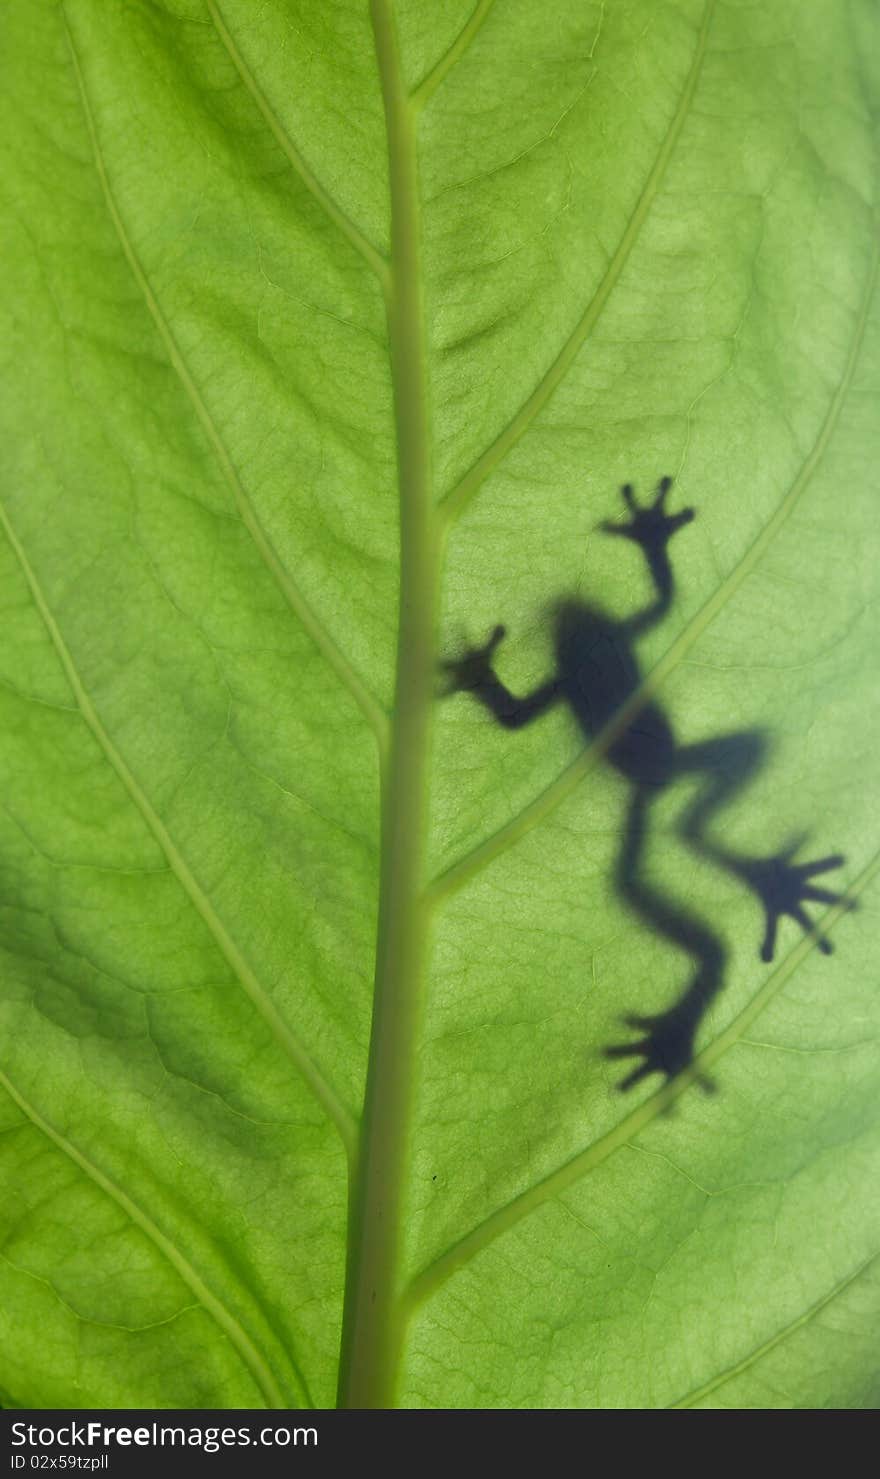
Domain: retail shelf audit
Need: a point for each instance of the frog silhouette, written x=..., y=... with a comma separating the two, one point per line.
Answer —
x=598, y=676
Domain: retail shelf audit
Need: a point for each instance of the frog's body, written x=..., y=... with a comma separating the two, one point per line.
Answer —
x=598, y=677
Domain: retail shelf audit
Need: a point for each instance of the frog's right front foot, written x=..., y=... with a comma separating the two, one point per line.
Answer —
x=474, y=667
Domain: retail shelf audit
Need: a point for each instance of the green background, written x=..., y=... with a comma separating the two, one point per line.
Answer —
x=277, y=278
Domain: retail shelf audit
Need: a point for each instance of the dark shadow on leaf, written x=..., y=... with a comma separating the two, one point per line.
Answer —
x=597, y=672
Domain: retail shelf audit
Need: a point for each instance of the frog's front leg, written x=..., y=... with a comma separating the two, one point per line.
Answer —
x=651, y=528
x=473, y=673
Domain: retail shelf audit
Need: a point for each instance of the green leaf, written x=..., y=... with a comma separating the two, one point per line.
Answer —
x=314, y=315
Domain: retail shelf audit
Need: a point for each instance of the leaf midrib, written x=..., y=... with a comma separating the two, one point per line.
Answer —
x=372, y=1326
x=542, y=393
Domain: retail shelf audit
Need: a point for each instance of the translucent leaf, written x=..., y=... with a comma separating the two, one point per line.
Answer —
x=330, y=335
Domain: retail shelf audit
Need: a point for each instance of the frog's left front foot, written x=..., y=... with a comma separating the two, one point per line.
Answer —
x=666, y=1048
x=784, y=887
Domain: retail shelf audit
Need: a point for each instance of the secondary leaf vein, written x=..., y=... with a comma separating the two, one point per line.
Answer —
x=289, y=1042
x=573, y=1170
x=768, y=1345
x=543, y=805
x=352, y=681
x=458, y=498
x=374, y=258
x=439, y=72
x=223, y=1317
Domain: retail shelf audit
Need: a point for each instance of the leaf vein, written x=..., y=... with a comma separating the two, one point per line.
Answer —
x=439, y=72
x=767, y=1346
x=289, y=1042
x=222, y=1316
x=543, y=805
x=504, y=1218
x=340, y=218
x=454, y=502
x=351, y=680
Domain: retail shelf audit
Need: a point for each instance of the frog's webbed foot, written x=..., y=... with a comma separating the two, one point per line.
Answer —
x=474, y=666
x=784, y=887
x=667, y=1047
x=651, y=527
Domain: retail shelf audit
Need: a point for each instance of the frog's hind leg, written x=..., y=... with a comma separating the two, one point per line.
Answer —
x=728, y=764
x=668, y=1046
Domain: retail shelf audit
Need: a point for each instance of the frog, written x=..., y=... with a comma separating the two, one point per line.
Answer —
x=599, y=677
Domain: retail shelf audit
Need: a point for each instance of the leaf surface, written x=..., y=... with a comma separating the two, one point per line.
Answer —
x=329, y=335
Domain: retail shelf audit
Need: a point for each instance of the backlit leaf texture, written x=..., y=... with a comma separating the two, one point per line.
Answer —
x=330, y=332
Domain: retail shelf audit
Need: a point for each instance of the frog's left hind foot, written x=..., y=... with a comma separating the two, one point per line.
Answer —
x=667, y=1047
